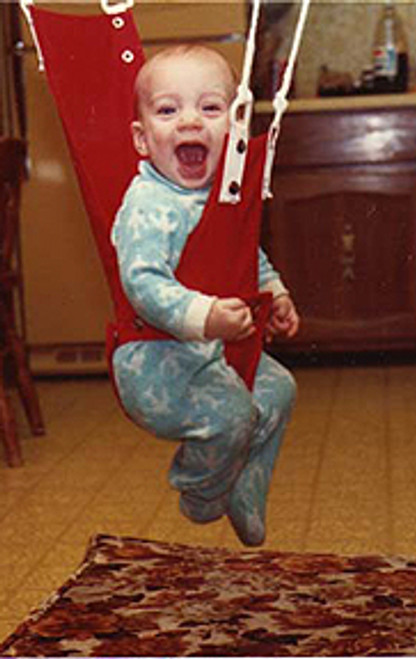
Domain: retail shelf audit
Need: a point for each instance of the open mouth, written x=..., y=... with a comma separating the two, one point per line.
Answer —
x=191, y=155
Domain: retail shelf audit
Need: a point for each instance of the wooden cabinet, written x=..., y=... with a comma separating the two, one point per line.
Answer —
x=341, y=227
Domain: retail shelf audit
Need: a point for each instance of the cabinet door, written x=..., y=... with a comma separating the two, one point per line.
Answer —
x=344, y=242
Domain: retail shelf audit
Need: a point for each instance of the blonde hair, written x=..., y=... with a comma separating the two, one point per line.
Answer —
x=180, y=50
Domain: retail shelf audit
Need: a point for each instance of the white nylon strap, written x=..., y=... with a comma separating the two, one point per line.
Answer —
x=280, y=103
x=116, y=8
x=24, y=6
x=240, y=119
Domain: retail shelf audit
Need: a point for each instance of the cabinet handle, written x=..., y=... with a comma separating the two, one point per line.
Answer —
x=347, y=257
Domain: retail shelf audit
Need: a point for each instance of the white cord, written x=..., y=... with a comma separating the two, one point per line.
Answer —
x=280, y=103
x=288, y=73
x=251, y=45
x=24, y=6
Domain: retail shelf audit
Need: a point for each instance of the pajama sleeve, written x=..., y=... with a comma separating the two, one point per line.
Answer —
x=148, y=236
x=269, y=279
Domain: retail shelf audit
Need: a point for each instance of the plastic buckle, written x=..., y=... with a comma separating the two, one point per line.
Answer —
x=235, y=157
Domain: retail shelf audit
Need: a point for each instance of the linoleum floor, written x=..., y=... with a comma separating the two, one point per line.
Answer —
x=345, y=481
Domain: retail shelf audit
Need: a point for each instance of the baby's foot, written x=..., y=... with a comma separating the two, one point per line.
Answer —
x=247, y=519
x=202, y=511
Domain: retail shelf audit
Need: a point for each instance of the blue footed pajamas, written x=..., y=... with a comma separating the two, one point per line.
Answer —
x=184, y=389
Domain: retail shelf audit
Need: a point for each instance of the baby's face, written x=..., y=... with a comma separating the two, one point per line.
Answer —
x=184, y=117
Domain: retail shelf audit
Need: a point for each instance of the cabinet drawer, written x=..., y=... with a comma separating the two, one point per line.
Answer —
x=343, y=138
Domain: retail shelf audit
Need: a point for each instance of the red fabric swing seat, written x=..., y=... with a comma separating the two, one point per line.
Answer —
x=91, y=64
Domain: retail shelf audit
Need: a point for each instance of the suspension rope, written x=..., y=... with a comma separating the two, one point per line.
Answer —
x=24, y=6
x=280, y=103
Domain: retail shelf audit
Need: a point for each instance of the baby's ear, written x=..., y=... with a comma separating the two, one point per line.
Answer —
x=139, y=138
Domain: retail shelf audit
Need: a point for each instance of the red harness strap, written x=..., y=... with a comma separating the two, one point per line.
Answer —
x=93, y=89
x=221, y=258
x=91, y=63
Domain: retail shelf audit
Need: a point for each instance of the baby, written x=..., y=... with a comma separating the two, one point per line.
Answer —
x=182, y=387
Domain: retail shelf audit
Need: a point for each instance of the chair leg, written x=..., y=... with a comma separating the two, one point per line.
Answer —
x=8, y=426
x=25, y=384
x=26, y=387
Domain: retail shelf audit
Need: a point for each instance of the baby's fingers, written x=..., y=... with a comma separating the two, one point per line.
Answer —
x=235, y=304
x=293, y=323
x=245, y=326
x=245, y=333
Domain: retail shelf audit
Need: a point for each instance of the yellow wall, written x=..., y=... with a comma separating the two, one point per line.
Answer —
x=340, y=34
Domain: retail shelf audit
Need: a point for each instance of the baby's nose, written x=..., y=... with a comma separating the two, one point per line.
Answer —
x=190, y=118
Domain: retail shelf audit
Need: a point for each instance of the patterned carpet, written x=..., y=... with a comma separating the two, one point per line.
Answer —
x=140, y=598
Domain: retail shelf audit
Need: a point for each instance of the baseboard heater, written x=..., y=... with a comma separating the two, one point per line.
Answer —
x=68, y=359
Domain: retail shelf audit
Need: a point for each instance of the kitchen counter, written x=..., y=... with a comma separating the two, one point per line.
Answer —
x=331, y=104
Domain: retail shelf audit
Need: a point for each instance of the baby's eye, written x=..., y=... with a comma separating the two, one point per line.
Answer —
x=212, y=108
x=214, y=105
x=166, y=110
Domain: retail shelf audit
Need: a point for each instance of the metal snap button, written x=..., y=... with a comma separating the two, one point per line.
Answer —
x=118, y=22
x=127, y=56
x=241, y=146
x=234, y=188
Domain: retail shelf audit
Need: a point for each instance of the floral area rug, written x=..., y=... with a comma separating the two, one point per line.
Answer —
x=135, y=598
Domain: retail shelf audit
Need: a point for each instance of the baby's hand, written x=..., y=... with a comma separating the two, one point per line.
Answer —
x=283, y=318
x=229, y=319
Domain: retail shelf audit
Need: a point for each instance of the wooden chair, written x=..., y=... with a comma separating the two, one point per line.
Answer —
x=13, y=352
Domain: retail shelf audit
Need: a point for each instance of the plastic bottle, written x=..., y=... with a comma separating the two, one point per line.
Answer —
x=390, y=53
